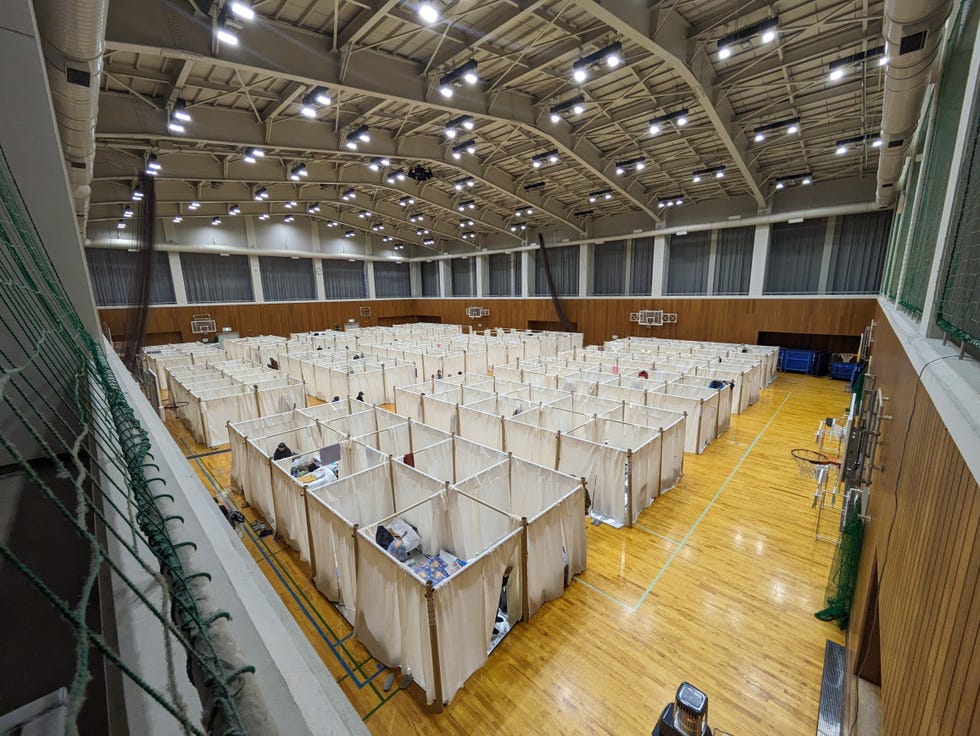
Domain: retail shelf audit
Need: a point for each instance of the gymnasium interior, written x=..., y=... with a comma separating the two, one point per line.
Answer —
x=459, y=367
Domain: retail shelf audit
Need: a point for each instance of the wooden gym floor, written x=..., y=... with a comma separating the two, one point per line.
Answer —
x=716, y=584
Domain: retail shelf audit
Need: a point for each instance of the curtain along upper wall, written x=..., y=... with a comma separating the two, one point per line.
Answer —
x=933, y=174
x=795, y=251
x=687, y=263
x=564, y=270
x=463, y=276
x=344, y=279
x=641, y=267
x=212, y=278
x=113, y=273
x=501, y=281
x=392, y=280
x=287, y=279
x=430, y=278
x=733, y=260
x=609, y=268
x=858, y=256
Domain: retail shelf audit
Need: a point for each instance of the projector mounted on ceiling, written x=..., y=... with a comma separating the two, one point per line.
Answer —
x=419, y=173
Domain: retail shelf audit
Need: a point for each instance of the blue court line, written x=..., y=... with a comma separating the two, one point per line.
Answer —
x=326, y=640
x=656, y=534
x=711, y=503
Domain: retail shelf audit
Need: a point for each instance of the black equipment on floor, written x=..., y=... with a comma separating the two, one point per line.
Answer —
x=686, y=716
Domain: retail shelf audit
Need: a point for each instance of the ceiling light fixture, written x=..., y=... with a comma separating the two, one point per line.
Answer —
x=178, y=218
x=121, y=225
x=180, y=113
x=678, y=119
x=379, y=163
x=242, y=10
x=637, y=164
x=193, y=205
x=225, y=30
x=541, y=159
x=718, y=171
x=518, y=227
x=288, y=219
x=349, y=234
x=298, y=172
x=765, y=31
x=406, y=201
x=332, y=223
x=395, y=176
x=348, y=195
x=523, y=211
x=575, y=105
x=838, y=68
x=467, y=182
x=429, y=241
x=234, y=210
x=533, y=186
x=468, y=235
x=601, y=194
x=127, y=211
x=612, y=55
x=251, y=155
x=843, y=145
x=364, y=214
x=137, y=194
x=466, y=223
x=455, y=78
x=428, y=12
x=803, y=178
x=215, y=220
x=260, y=194
x=264, y=216
x=153, y=166
x=465, y=147
x=792, y=125
x=454, y=125
x=467, y=204
x=358, y=135
x=313, y=208
x=674, y=200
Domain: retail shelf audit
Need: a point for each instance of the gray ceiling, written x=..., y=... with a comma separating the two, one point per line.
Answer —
x=382, y=65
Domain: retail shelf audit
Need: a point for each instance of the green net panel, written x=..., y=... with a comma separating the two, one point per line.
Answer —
x=903, y=223
x=935, y=172
x=844, y=570
x=63, y=408
x=958, y=310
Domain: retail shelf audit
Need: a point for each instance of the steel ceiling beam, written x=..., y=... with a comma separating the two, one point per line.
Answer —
x=126, y=118
x=196, y=167
x=667, y=38
x=824, y=42
x=364, y=22
x=150, y=27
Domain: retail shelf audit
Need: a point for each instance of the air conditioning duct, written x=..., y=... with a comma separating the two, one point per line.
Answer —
x=913, y=32
x=73, y=40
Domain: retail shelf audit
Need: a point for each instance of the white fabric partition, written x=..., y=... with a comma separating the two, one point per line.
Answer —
x=603, y=468
x=690, y=407
x=708, y=420
x=392, y=610
x=286, y=396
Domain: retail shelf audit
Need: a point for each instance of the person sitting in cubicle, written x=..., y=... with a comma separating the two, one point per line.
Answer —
x=282, y=451
x=335, y=400
x=643, y=374
x=360, y=396
x=273, y=364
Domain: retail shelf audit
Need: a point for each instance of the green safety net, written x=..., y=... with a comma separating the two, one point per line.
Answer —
x=63, y=407
x=934, y=175
x=844, y=570
x=958, y=310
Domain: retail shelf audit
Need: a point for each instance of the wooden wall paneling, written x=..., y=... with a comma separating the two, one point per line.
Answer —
x=734, y=320
x=929, y=586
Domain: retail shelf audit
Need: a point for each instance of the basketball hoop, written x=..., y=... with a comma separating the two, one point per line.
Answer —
x=813, y=464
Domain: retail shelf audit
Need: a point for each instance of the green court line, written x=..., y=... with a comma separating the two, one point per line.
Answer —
x=383, y=701
x=711, y=503
x=603, y=593
x=656, y=534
